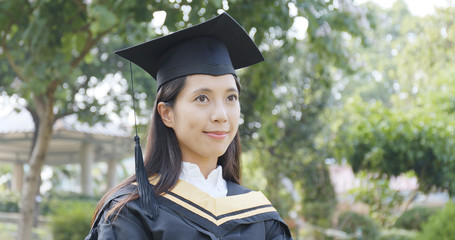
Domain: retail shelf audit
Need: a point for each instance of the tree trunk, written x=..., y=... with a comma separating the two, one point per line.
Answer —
x=44, y=108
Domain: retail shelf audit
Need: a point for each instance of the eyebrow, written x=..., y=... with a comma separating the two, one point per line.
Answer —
x=209, y=90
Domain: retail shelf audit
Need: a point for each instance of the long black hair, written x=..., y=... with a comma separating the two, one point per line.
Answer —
x=163, y=156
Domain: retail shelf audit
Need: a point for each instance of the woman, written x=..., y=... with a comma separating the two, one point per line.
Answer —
x=192, y=159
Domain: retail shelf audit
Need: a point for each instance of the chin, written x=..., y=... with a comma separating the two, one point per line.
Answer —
x=218, y=152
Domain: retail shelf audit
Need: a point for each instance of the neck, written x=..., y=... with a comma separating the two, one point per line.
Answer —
x=205, y=165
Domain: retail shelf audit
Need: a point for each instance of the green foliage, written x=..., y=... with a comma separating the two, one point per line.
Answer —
x=413, y=218
x=356, y=224
x=5, y=169
x=69, y=44
x=382, y=201
x=8, y=231
x=103, y=19
x=440, y=225
x=392, y=141
x=397, y=113
x=257, y=177
x=252, y=174
x=9, y=201
x=319, y=213
x=53, y=199
x=71, y=220
x=319, y=200
x=397, y=234
x=283, y=97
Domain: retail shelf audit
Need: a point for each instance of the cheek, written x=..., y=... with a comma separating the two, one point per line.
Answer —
x=187, y=120
x=235, y=117
x=236, y=114
x=191, y=126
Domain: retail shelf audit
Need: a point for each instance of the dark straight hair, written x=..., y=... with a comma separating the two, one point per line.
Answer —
x=163, y=156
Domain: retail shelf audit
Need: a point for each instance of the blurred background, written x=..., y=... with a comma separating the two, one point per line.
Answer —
x=348, y=127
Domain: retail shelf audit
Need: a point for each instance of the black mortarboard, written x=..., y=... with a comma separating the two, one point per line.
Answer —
x=215, y=47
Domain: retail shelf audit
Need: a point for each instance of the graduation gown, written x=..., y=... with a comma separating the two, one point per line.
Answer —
x=189, y=213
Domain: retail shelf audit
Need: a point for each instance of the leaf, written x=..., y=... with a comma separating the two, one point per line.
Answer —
x=102, y=19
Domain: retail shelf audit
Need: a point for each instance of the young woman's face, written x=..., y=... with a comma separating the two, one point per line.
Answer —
x=205, y=116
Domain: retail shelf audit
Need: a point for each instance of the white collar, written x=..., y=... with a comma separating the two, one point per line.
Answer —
x=214, y=185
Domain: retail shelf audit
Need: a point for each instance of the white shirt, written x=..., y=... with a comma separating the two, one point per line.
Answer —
x=214, y=185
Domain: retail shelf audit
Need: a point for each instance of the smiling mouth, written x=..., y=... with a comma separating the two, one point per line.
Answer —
x=217, y=134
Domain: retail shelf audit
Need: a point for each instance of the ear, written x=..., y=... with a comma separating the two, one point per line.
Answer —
x=166, y=114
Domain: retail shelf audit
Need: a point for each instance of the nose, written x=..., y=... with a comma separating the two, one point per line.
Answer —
x=219, y=113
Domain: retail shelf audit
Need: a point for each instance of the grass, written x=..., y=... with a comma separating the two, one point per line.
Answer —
x=8, y=231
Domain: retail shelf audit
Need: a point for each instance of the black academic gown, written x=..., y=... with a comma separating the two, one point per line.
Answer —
x=189, y=213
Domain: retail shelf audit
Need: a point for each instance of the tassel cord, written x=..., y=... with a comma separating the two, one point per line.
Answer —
x=147, y=197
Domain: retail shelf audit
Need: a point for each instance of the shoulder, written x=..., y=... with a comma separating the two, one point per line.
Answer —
x=122, y=193
x=117, y=197
x=118, y=203
x=119, y=223
x=110, y=205
x=275, y=227
x=236, y=189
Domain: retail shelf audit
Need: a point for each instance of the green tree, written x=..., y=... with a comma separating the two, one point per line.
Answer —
x=48, y=57
x=408, y=128
x=390, y=141
x=376, y=193
x=285, y=98
x=439, y=224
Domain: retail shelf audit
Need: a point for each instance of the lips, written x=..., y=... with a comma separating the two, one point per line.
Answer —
x=216, y=134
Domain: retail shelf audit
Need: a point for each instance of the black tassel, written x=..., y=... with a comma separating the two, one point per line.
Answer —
x=146, y=194
x=147, y=197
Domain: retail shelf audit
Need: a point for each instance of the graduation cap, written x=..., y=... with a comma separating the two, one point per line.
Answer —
x=215, y=47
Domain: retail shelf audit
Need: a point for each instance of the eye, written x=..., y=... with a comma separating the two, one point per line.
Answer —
x=201, y=98
x=232, y=98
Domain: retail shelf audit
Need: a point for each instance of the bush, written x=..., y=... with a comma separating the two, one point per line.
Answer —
x=9, y=201
x=51, y=199
x=318, y=213
x=397, y=234
x=71, y=220
x=352, y=223
x=440, y=225
x=413, y=218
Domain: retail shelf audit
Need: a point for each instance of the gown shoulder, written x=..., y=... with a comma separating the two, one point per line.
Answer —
x=193, y=216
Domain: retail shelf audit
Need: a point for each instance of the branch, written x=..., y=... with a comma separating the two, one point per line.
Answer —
x=9, y=58
x=411, y=199
x=13, y=65
x=51, y=88
x=91, y=43
x=62, y=115
x=88, y=46
x=74, y=91
x=36, y=119
x=82, y=11
x=37, y=3
x=70, y=110
x=48, y=101
x=50, y=93
x=80, y=5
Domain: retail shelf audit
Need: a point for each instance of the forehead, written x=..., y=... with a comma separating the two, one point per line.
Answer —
x=203, y=81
